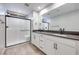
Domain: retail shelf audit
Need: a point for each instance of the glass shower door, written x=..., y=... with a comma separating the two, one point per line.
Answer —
x=18, y=31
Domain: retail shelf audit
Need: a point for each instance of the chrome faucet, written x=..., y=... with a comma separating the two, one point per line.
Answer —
x=61, y=30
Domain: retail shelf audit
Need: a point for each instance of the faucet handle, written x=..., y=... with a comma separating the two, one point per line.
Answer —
x=63, y=29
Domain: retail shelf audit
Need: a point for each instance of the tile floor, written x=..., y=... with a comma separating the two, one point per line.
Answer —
x=23, y=49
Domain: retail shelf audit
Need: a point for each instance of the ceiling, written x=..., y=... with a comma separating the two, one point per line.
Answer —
x=64, y=9
x=24, y=8
x=37, y=6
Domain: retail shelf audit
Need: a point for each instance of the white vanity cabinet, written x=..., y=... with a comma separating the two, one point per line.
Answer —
x=35, y=39
x=52, y=45
x=48, y=47
x=64, y=46
x=65, y=50
x=42, y=42
x=77, y=47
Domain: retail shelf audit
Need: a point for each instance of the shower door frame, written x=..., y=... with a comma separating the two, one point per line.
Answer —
x=6, y=28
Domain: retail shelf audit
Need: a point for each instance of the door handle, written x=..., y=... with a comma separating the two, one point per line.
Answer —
x=55, y=46
x=7, y=26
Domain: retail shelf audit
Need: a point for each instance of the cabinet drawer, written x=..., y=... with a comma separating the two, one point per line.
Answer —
x=69, y=42
x=57, y=39
x=65, y=50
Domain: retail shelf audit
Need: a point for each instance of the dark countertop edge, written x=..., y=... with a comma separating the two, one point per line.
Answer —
x=58, y=36
x=54, y=31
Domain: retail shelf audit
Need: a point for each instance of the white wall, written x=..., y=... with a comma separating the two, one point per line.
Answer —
x=69, y=21
x=2, y=32
x=2, y=9
x=37, y=19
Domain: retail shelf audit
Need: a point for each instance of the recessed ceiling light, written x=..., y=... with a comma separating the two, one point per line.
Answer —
x=39, y=7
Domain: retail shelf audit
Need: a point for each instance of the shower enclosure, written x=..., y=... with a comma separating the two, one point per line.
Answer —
x=18, y=30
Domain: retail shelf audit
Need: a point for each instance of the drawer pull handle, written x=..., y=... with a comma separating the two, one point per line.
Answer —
x=55, y=46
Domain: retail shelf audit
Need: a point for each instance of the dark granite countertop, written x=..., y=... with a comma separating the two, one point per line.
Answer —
x=68, y=36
